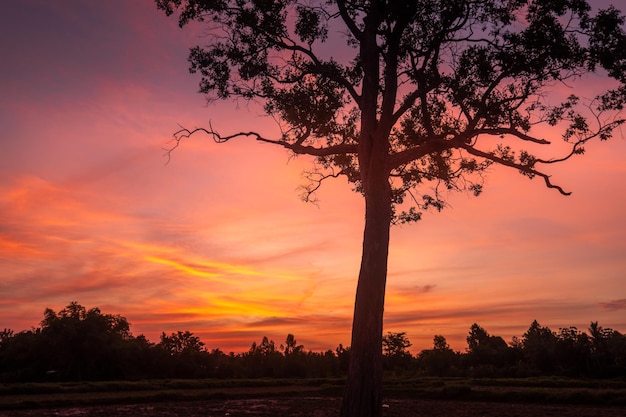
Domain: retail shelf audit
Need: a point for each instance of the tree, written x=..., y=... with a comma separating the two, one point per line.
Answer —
x=477, y=337
x=294, y=358
x=5, y=336
x=396, y=344
x=263, y=360
x=182, y=354
x=181, y=343
x=572, y=351
x=406, y=100
x=395, y=349
x=84, y=344
x=291, y=346
x=540, y=347
x=485, y=349
x=440, y=343
x=608, y=348
x=438, y=360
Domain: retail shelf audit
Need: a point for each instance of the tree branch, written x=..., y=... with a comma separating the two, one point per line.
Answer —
x=297, y=147
x=348, y=20
x=511, y=164
x=510, y=131
x=316, y=179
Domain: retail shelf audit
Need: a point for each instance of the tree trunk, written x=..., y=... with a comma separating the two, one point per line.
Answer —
x=363, y=395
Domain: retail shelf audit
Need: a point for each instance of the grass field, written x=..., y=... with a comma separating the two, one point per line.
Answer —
x=543, y=391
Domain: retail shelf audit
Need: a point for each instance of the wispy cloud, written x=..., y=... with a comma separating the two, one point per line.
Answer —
x=614, y=305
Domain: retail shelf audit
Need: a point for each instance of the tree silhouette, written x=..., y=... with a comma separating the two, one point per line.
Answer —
x=440, y=343
x=181, y=343
x=407, y=100
x=80, y=344
x=84, y=344
x=295, y=359
x=396, y=344
x=485, y=349
x=184, y=354
x=395, y=350
x=540, y=347
x=573, y=351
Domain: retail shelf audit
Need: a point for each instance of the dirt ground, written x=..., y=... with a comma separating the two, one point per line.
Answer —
x=321, y=407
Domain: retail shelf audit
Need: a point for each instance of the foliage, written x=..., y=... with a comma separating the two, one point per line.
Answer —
x=396, y=344
x=484, y=349
x=181, y=343
x=444, y=77
x=395, y=350
x=440, y=360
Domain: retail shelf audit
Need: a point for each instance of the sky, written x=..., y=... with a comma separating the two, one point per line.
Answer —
x=218, y=242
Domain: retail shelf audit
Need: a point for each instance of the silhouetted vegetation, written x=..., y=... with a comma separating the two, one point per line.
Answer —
x=77, y=344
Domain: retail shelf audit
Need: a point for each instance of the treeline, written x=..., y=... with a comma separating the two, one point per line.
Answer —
x=77, y=344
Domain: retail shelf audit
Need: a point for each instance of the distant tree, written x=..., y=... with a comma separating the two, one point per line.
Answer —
x=343, y=355
x=439, y=360
x=395, y=350
x=329, y=366
x=84, y=344
x=185, y=355
x=24, y=357
x=264, y=359
x=5, y=336
x=396, y=344
x=440, y=343
x=295, y=360
x=608, y=350
x=409, y=100
x=181, y=343
x=223, y=365
x=540, y=347
x=477, y=337
x=267, y=347
x=573, y=352
x=291, y=346
x=140, y=360
x=486, y=350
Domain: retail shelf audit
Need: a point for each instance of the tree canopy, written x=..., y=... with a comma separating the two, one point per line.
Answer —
x=436, y=79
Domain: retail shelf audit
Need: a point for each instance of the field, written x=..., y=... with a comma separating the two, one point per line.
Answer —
x=411, y=397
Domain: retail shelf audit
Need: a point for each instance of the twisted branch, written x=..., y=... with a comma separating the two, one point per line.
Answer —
x=296, y=147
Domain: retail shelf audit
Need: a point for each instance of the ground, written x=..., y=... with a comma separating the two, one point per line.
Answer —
x=321, y=407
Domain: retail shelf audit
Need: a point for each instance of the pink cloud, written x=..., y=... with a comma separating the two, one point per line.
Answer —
x=614, y=305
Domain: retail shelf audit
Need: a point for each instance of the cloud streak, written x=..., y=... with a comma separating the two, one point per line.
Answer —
x=614, y=305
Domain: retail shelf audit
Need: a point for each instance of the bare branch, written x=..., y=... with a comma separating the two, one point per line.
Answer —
x=499, y=131
x=297, y=147
x=316, y=178
x=511, y=164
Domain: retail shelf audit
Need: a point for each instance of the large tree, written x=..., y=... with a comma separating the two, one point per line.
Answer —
x=407, y=99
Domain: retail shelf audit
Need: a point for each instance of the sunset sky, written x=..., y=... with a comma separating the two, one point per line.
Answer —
x=219, y=243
